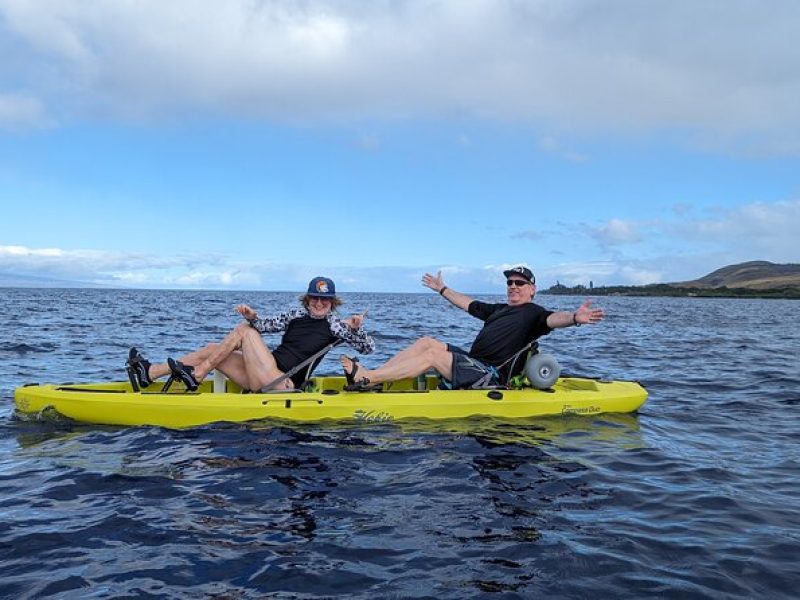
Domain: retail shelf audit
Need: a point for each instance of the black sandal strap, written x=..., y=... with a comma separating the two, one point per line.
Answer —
x=350, y=376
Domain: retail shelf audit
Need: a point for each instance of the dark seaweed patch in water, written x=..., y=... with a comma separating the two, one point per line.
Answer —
x=22, y=348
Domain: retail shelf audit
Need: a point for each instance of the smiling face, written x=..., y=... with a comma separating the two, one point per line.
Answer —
x=319, y=307
x=519, y=290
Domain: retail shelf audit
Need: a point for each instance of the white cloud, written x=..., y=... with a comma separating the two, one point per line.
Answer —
x=690, y=246
x=636, y=275
x=581, y=64
x=759, y=230
x=215, y=279
x=615, y=232
x=112, y=268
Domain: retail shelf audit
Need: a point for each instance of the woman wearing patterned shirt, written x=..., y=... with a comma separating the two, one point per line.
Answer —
x=244, y=357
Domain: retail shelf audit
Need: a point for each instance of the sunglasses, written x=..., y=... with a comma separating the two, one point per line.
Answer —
x=516, y=282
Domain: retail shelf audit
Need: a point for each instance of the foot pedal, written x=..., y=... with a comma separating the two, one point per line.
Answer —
x=167, y=384
x=360, y=387
x=132, y=379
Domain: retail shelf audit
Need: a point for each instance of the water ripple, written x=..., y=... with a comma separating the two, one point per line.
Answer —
x=695, y=497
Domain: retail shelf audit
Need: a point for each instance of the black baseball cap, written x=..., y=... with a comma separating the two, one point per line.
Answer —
x=523, y=272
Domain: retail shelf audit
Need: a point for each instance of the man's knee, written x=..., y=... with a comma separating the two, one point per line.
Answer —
x=436, y=352
x=429, y=343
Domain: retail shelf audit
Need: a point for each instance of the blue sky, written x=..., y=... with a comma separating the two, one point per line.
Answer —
x=254, y=145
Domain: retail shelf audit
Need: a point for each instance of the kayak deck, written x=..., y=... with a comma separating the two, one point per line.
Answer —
x=116, y=403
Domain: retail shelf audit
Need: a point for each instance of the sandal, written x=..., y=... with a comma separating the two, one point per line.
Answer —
x=139, y=367
x=183, y=373
x=363, y=384
x=350, y=376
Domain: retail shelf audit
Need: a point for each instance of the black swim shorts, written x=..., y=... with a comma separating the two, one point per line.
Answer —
x=467, y=370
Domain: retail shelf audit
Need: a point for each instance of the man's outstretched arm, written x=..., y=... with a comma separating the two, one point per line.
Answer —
x=436, y=283
x=585, y=315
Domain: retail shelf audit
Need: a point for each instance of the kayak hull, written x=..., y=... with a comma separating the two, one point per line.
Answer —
x=117, y=404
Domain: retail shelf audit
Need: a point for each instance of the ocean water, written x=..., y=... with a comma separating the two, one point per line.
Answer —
x=696, y=496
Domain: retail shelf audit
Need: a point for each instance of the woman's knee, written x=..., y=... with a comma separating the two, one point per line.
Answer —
x=245, y=332
x=243, y=328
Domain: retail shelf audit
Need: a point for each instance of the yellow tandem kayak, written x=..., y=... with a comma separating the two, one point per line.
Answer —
x=117, y=404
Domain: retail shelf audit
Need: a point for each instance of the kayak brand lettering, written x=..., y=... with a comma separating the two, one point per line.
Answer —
x=588, y=410
x=372, y=416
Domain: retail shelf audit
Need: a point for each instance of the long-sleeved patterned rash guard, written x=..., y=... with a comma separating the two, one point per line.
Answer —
x=306, y=335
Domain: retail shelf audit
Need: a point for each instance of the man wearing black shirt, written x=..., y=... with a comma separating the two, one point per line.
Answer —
x=507, y=329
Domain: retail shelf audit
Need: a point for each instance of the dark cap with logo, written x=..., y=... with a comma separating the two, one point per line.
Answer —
x=321, y=287
x=523, y=272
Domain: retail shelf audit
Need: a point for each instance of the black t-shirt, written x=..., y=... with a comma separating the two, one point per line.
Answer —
x=304, y=337
x=506, y=330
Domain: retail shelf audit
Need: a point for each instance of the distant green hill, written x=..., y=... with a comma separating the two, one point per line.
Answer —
x=754, y=279
x=756, y=274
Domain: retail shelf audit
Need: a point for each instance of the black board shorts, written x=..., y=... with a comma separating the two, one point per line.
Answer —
x=467, y=370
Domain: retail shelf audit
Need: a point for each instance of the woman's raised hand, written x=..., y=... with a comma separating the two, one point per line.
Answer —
x=247, y=312
x=355, y=321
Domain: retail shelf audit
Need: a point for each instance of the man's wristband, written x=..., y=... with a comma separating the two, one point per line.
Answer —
x=441, y=291
x=575, y=319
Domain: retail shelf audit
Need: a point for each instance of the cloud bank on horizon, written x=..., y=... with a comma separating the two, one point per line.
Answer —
x=753, y=231
x=632, y=142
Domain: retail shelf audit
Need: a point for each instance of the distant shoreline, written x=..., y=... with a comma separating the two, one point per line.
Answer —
x=647, y=291
x=664, y=290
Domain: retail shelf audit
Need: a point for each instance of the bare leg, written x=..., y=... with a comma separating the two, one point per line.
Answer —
x=192, y=359
x=259, y=363
x=426, y=353
x=414, y=349
x=233, y=368
x=219, y=352
x=211, y=356
x=242, y=356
